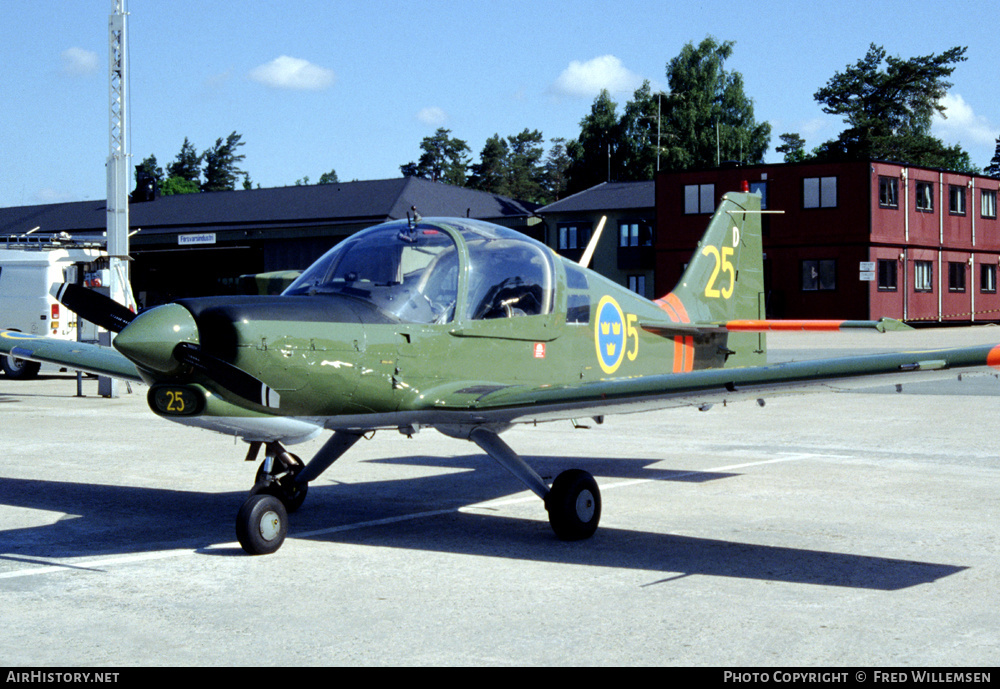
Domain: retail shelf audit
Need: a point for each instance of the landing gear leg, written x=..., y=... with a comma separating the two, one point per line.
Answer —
x=277, y=476
x=573, y=502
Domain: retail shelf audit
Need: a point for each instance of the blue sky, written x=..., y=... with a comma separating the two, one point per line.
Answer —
x=354, y=85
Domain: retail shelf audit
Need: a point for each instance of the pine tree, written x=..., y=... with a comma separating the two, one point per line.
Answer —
x=993, y=169
x=888, y=104
x=222, y=164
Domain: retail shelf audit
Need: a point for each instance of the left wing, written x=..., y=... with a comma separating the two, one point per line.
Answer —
x=482, y=402
x=79, y=356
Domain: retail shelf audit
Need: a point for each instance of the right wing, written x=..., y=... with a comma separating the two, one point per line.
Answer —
x=79, y=356
x=465, y=403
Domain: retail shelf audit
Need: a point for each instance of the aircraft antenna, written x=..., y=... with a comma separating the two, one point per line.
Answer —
x=588, y=253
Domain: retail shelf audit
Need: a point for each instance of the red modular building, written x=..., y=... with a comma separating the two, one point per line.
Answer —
x=855, y=240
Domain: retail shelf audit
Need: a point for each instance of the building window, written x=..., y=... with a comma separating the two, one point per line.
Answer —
x=925, y=197
x=819, y=192
x=956, y=277
x=988, y=198
x=634, y=234
x=628, y=234
x=760, y=188
x=573, y=236
x=923, y=276
x=819, y=275
x=888, y=192
x=987, y=278
x=637, y=283
x=699, y=198
x=886, y=275
x=956, y=199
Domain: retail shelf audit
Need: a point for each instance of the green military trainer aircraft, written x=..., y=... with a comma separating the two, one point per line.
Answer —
x=461, y=326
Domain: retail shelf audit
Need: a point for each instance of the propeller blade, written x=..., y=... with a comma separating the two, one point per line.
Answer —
x=229, y=377
x=95, y=307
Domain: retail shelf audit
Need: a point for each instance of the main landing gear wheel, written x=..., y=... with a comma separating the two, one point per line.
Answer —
x=262, y=524
x=574, y=505
x=19, y=369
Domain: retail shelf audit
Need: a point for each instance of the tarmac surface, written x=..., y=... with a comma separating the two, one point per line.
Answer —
x=838, y=530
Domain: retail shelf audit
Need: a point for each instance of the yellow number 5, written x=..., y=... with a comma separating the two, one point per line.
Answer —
x=630, y=331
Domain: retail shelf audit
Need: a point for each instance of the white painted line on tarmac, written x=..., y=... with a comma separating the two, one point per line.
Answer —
x=102, y=564
x=500, y=502
x=93, y=565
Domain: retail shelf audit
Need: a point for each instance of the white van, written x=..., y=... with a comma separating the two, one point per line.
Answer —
x=27, y=273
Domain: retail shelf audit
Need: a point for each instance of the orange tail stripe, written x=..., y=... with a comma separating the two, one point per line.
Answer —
x=669, y=309
x=675, y=302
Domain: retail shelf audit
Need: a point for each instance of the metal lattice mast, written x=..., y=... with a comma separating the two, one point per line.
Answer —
x=119, y=159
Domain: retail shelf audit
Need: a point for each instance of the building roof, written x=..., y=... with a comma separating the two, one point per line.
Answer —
x=606, y=196
x=327, y=204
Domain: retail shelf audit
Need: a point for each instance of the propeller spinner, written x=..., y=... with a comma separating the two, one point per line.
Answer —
x=164, y=340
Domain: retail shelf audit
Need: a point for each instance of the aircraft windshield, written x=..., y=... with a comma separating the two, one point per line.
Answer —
x=411, y=274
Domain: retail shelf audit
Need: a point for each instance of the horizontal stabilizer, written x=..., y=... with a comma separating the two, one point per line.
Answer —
x=758, y=326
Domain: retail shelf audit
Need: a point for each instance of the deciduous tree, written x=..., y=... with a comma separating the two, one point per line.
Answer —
x=708, y=118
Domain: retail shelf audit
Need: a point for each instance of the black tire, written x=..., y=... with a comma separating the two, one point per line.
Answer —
x=19, y=369
x=574, y=505
x=262, y=524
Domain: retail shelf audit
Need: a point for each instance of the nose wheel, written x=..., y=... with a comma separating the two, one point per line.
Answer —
x=261, y=524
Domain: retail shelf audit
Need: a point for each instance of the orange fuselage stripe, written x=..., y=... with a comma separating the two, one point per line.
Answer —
x=683, y=353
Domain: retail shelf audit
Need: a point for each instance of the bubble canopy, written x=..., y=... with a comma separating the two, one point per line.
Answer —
x=436, y=271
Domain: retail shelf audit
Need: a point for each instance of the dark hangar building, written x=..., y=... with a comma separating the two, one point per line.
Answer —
x=199, y=244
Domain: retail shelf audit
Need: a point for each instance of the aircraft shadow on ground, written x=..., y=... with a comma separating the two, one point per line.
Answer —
x=125, y=519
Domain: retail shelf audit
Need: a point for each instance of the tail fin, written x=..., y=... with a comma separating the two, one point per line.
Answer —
x=725, y=279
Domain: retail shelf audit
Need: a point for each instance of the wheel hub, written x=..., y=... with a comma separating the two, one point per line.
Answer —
x=270, y=525
x=585, y=506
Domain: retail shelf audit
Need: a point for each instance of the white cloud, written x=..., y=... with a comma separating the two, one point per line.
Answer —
x=962, y=124
x=586, y=79
x=293, y=73
x=433, y=116
x=50, y=195
x=77, y=62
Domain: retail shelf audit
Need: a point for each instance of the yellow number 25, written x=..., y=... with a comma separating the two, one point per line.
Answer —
x=722, y=265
